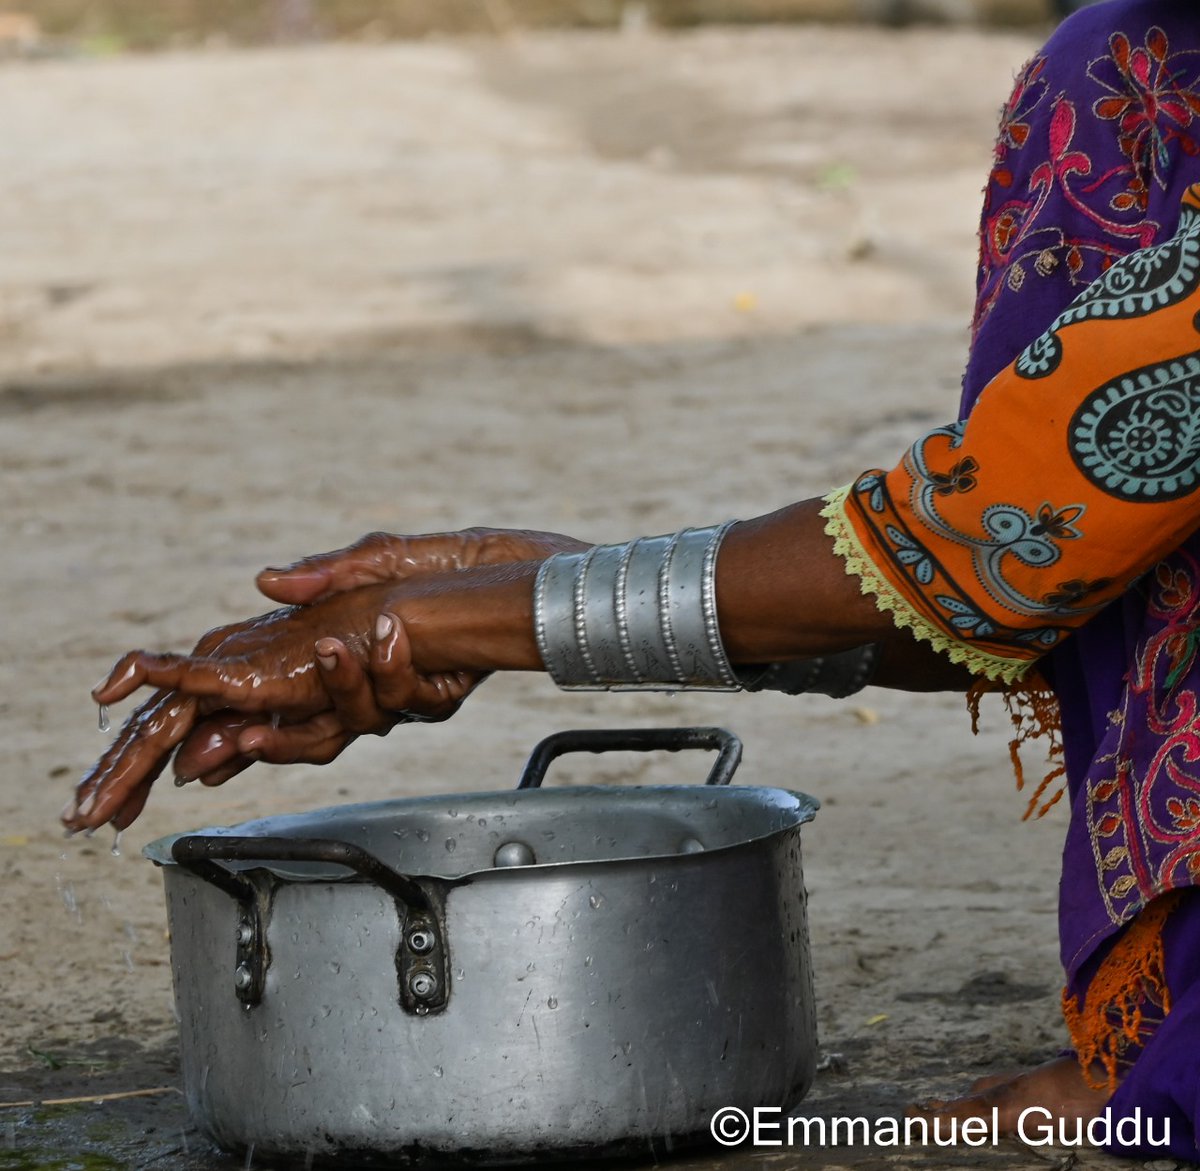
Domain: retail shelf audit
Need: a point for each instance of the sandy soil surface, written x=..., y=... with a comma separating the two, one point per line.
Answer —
x=255, y=304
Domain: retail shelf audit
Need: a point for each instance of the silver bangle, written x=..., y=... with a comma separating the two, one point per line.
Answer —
x=642, y=616
x=554, y=622
x=637, y=616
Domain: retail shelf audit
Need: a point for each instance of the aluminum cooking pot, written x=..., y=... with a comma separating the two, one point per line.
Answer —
x=496, y=977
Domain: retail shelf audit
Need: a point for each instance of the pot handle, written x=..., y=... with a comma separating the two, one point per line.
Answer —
x=200, y=854
x=635, y=740
x=422, y=962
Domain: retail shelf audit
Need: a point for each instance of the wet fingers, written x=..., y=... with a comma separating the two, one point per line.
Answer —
x=398, y=687
x=232, y=682
x=110, y=790
x=211, y=744
x=349, y=689
x=314, y=741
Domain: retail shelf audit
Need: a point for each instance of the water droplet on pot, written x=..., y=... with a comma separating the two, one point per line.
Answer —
x=552, y=1002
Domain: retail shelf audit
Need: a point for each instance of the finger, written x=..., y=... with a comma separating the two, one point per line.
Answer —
x=122, y=680
x=137, y=756
x=294, y=585
x=135, y=802
x=398, y=686
x=211, y=745
x=370, y=559
x=123, y=764
x=315, y=741
x=349, y=690
x=235, y=683
x=218, y=776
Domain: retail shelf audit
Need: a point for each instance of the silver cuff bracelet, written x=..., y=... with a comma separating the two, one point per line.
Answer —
x=637, y=616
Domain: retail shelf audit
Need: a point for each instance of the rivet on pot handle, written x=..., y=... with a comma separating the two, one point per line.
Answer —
x=422, y=963
x=726, y=743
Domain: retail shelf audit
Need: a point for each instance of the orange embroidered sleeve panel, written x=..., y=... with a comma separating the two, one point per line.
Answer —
x=1078, y=468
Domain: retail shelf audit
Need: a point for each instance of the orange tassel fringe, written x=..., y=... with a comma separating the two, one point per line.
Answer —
x=1033, y=709
x=1128, y=996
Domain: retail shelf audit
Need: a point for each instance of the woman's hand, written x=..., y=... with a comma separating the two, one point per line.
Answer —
x=266, y=666
x=368, y=699
x=384, y=557
x=268, y=670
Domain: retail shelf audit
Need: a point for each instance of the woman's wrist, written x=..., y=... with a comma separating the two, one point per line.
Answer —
x=477, y=619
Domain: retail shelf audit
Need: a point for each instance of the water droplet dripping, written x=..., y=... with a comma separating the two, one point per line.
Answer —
x=116, y=846
x=103, y=722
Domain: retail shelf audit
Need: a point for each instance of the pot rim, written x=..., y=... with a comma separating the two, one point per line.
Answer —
x=797, y=809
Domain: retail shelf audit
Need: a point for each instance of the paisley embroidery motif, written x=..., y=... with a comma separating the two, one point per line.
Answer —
x=1141, y=283
x=1138, y=437
x=999, y=534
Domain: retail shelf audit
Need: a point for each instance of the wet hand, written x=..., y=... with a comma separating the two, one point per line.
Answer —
x=369, y=698
x=384, y=557
x=265, y=666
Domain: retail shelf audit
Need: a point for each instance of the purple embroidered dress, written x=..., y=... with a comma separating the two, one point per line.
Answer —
x=1096, y=147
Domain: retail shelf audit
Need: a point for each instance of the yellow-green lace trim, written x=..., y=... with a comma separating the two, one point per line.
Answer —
x=889, y=600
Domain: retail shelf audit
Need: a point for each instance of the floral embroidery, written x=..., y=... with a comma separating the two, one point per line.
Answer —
x=1070, y=593
x=1143, y=813
x=1027, y=94
x=1141, y=103
x=1185, y=813
x=1154, y=99
x=960, y=478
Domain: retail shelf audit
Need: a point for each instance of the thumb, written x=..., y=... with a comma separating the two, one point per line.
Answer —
x=295, y=585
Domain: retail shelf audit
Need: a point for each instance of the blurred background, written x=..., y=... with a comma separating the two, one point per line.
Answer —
x=144, y=24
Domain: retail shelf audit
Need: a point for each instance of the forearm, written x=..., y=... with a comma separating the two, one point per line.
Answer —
x=781, y=594
x=477, y=619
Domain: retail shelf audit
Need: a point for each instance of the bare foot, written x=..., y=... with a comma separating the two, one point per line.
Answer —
x=1058, y=1086
x=992, y=1080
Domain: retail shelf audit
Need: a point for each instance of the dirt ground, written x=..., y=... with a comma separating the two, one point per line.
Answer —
x=253, y=304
